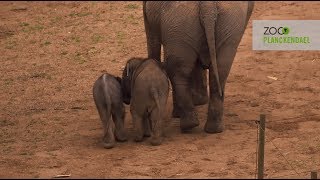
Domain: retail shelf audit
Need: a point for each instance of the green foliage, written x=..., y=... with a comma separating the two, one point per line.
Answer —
x=23, y=24
x=81, y=14
x=132, y=6
x=96, y=38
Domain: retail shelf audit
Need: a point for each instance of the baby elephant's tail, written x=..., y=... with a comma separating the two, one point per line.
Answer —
x=106, y=95
x=156, y=97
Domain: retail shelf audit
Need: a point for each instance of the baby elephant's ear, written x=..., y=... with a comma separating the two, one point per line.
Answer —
x=118, y=79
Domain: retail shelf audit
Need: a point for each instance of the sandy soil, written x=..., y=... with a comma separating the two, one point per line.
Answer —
x=52, y=52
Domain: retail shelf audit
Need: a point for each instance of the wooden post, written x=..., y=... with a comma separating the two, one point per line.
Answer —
x=313, y=175
x=261, y=146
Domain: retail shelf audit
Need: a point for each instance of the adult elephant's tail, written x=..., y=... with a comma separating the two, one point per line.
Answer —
x=208, y=16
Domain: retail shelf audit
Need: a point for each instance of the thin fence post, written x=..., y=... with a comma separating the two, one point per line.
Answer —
x=313, y=175
x=261, y=146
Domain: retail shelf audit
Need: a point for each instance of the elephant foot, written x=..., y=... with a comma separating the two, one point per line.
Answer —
x=108, y=145
x=189, y=122
x=121, y=136
x=108, y=140
x=155, y=141
x=138, y=138
x=213, y=128
x=215, y=123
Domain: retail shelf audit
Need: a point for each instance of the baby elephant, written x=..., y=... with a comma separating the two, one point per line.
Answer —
x=146, y=88
x=107, y=96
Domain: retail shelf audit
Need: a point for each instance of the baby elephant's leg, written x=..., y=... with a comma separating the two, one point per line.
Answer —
x=108, y=137
x=156, y=130
x=118, y=115
x=146, y=126
x=137, y=121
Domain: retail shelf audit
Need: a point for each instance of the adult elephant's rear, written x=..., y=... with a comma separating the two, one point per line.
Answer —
x=196, y=35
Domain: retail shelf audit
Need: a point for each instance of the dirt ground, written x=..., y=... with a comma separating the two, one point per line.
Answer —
x=52, y=52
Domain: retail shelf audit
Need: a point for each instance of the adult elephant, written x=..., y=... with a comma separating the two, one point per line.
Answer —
x=196, y=35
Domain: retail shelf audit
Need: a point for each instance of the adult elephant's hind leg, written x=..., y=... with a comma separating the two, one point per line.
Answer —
x=179, y=71
x=214, y=123
x=176, y=112
x=188, y=114
x=199, y=85
x=225, y=57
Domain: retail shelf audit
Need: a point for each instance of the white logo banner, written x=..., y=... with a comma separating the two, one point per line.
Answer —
x=286, y=35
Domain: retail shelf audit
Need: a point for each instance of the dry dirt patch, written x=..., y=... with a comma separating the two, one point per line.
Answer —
x=52, y=52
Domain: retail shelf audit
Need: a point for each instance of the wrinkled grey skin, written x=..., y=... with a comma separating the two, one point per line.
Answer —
x=146, y=88
x=107, y=95
x=196, y=35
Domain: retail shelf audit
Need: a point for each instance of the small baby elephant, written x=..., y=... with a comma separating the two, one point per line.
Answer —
x=146, y=87
x=107, y=96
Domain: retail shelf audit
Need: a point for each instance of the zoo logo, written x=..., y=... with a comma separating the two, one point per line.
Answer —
x=274, y=31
